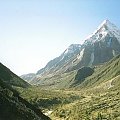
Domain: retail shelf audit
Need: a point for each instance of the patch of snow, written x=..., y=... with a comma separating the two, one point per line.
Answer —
x=110, y=85
x=109, y=42
x=48, y=112
x=113, y=52
x=91, y=59
x=80, y=56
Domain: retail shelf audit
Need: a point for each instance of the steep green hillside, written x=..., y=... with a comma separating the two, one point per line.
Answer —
x=13, y=107
x=10, y=78
x=103, y=74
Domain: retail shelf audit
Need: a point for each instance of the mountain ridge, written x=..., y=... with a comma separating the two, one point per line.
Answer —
x=101, y=46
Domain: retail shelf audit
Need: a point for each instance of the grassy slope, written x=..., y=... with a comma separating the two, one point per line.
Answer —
x=10, y=78
x=103, y=74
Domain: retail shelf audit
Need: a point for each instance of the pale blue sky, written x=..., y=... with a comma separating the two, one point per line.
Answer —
x=32, y=32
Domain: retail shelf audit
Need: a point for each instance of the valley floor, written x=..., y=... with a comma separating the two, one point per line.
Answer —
x=98, y=103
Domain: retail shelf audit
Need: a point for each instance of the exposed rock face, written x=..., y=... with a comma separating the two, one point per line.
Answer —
x=60, y=63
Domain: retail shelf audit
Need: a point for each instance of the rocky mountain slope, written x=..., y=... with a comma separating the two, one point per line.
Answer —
x=98, y=48
x=60, y=64
x=28, y=77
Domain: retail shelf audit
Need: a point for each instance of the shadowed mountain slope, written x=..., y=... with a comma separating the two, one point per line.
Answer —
x=13, y=107
x=10, y=78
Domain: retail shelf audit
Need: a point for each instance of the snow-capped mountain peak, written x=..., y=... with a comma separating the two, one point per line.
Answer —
x=99, y=47
x=104, y=29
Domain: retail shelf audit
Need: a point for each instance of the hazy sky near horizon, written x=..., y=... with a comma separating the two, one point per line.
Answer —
x=32, y=32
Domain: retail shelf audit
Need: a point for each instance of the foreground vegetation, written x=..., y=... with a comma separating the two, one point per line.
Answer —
x=78, y=105
x=14, y=107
